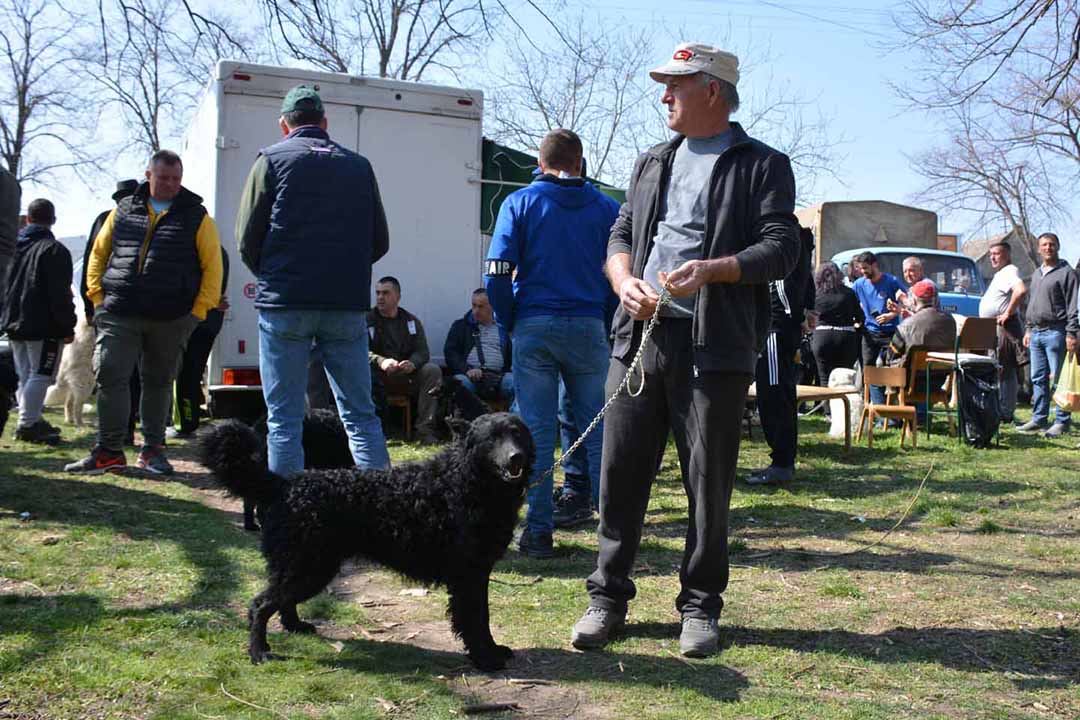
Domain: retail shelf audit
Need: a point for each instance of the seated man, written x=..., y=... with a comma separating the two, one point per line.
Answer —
x=478, y=352
x=927, y=329
x=400, y=360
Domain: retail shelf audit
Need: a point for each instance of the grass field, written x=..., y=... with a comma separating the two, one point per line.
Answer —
x=125, y=598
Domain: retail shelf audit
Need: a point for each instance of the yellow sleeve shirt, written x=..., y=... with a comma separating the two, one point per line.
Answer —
x=207, y=243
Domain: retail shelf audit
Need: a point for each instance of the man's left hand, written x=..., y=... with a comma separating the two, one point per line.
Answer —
x=1003, y=318
x=1070, y=343
x=692, y=274
x=406, y=367
x=474, y=374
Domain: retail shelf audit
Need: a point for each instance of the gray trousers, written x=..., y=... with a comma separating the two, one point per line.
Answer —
x=121, y=342
x=36, y=363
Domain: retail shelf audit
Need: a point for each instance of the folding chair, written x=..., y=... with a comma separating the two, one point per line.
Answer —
x=895, y=381
x=920, y=366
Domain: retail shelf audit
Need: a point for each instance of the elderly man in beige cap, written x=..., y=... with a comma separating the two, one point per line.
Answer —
x=709, y=215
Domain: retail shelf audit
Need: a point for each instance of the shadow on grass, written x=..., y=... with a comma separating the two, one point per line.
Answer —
x=1047, y=657
x=710, y=678
x=138, y=515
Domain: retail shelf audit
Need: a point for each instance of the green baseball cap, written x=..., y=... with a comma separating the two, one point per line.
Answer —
x=301, y=98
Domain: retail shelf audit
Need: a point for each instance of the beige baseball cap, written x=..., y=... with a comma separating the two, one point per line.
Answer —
x=690, y=58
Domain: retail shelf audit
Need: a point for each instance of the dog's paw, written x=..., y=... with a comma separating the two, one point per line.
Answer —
x=260, y=655
x=302, y=628
x=493, y=659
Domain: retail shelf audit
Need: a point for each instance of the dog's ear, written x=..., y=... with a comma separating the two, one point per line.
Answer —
x=458, y=428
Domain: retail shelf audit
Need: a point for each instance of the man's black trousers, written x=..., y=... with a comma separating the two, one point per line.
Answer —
x=704, y=412
x=189, y=394
x=775, y=381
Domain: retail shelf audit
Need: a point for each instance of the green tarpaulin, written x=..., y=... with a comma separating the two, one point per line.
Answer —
x=506, y=170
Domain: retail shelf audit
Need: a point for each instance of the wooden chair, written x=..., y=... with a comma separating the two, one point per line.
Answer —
x=894, y=379
x=405, y=403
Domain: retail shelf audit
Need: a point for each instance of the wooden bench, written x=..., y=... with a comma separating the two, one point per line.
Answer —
x=813, y=393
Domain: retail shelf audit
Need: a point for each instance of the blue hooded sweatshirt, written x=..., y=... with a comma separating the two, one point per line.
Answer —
x=555, y=234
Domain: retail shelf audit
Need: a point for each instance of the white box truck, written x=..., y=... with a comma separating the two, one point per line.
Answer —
x=424, y=143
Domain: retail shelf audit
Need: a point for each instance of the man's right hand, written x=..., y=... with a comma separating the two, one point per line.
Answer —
x=388, y=366
x=474, y=374
x=638, y=298
x=1027, y=339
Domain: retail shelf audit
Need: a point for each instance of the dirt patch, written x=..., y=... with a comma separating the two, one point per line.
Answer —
x=391, y=612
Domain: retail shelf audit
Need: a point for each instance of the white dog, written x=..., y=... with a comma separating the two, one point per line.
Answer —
x=75, y=378
x=840, y=377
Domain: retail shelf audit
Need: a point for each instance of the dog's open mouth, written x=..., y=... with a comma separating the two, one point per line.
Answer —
x=515, y=470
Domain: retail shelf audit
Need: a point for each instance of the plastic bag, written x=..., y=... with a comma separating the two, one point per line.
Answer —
x=1067, y=394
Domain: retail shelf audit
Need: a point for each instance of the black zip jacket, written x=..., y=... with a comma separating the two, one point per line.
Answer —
x=39, y=303
x=1052, y=299
x=751, y=215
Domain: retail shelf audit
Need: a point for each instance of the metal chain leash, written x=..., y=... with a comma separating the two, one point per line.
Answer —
x=635, y=364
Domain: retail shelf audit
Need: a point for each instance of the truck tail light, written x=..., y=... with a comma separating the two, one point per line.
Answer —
x=241, y=376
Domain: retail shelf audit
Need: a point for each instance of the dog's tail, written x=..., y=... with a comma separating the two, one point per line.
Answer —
x=236, y=455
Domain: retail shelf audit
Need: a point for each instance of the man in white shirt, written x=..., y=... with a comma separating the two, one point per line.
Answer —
x=1001, y=300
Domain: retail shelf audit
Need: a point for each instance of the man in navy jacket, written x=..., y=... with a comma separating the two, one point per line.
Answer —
x=311, y=224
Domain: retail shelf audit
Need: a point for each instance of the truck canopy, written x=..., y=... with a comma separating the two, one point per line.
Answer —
x=872, y=224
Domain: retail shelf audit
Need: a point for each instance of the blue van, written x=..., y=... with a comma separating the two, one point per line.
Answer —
x=956, y=276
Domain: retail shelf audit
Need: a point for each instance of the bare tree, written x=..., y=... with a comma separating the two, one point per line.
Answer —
x=966, y=46
x=596, y=83
x=997, y=182
x=151, y=63
x=592, y=81
x=401, y=39
x=42, y=117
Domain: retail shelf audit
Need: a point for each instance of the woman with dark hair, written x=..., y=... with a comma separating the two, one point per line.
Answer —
x=836, y=337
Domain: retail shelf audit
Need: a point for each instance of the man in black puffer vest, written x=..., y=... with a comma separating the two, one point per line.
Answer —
x=310, y=226
x=153, y=274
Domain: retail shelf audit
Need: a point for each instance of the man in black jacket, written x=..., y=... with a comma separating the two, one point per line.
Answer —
x=710, y=215
x=478, y=352
x=39, y=318
x=775, y=379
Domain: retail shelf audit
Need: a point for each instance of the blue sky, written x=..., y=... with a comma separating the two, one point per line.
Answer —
x=833, y=51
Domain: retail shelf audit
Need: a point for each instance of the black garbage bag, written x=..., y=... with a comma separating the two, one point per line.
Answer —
x=980, y=413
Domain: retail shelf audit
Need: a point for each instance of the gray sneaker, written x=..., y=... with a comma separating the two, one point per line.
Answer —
x=1057, y=430
x=771, y=475
x=1031, y=427
x=700, y=637
x=152, y=459
x=596, y=627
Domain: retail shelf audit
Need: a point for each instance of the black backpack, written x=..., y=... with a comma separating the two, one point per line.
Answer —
x=980, y=413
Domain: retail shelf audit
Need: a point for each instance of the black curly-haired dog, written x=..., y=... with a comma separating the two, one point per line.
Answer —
x=446, y=520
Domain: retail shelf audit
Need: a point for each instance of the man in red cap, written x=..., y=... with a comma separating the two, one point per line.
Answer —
x=927, y=329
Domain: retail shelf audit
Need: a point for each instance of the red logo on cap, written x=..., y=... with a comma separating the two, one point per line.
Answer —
x=683, y=55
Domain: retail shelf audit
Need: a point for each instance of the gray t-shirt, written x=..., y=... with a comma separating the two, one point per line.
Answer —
x=681, y=230
x=492, y=347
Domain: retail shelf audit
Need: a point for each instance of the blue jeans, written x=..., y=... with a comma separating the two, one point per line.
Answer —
x=576, y=467
x=547, y=348
x=506, y=387
x=1047, y=357
x=285, y=344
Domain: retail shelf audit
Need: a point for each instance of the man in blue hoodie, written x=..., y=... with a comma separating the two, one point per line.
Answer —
x=545, y=279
